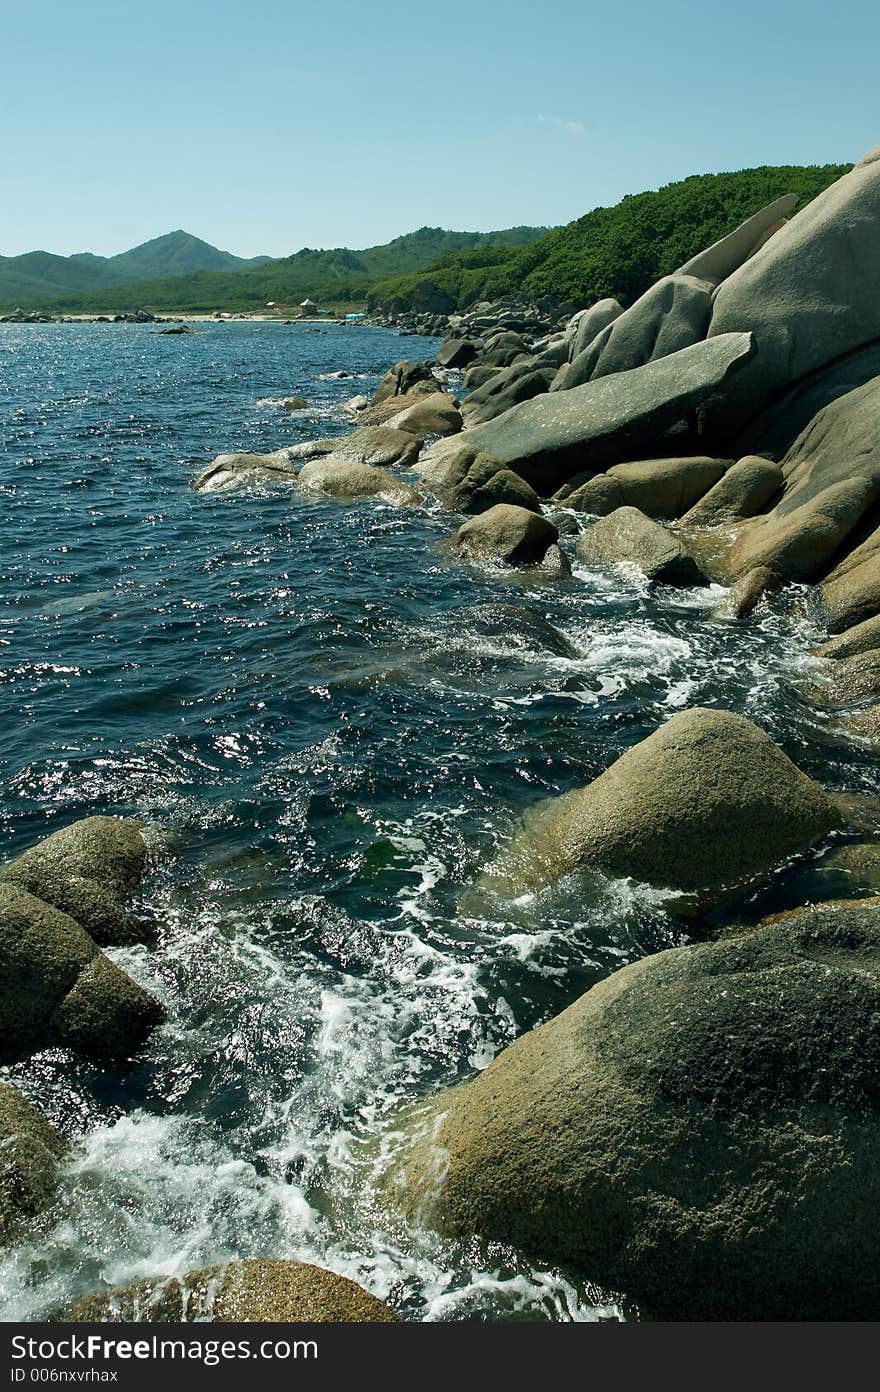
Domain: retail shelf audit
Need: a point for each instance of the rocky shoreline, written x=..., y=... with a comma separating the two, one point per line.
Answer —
x=699, y=1129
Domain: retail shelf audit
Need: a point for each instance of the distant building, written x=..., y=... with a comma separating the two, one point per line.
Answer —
x=307, y=309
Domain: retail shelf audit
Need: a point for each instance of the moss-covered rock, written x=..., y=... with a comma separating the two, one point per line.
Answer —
x=105, y=1014
x=29, y=1153
x=57, y=987
x=241, y=1292
x=88, y=870
x=700, y=1130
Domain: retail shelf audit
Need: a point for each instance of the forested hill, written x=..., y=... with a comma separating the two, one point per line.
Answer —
x=336, y=275
x=38, y=276
x=617, y=251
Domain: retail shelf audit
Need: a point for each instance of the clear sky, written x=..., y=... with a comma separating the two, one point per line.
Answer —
x=269, y=126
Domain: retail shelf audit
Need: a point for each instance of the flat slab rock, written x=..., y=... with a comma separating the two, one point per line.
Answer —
x=610, y=420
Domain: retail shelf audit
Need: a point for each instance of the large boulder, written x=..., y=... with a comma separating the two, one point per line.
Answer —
x=347, y=478
x=472, y=482
x=587, y=324
x=458, y=352
x=230, y=471
x=840, y=443
x=436, y=414
x=671, y=315
x=379, y=413
x=505, y=534
x=776, y=430
x=862, y=638
x=704, y=806
x=628, y=536
x=241, y=1292
x=725, y=256
x=30, y=1150
x=809, y=295
x=505, y=388
x=57, y=987
x=851, y=592
x=402, y=377
x=657, y=487
x=850, y=680
x=744, y=490
x=699, y=1131
x=381, y=445
x=88, y=870
x=800, y=545
x=479, y=374
x=619, y=417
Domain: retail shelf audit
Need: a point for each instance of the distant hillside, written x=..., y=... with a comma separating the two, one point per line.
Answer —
x=326, y=276
x=617, y=251
x=178, y=253
x=38, y=276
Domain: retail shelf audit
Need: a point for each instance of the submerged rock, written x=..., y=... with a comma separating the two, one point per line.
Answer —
x=29, y=1153
x=245, y=471
x=506, y=534
x=705, y=806
x=700, y=1130
x=88, y=870
x=56, y=987
x=627, y=535
x=865, y=724
x=347, y=478
x=241, y=1292
x=746, y=594
x=516, y=626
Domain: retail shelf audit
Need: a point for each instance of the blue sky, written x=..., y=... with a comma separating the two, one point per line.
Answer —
x=272, y=126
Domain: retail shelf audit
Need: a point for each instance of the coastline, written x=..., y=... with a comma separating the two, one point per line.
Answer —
x=735, y=1071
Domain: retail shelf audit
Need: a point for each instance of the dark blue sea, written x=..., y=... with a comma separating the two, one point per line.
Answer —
x=288, y=692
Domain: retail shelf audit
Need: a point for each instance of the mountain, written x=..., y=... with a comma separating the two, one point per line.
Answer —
x=335, y=275
x=40, y=275
x=617, y=251
x=177, y=253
